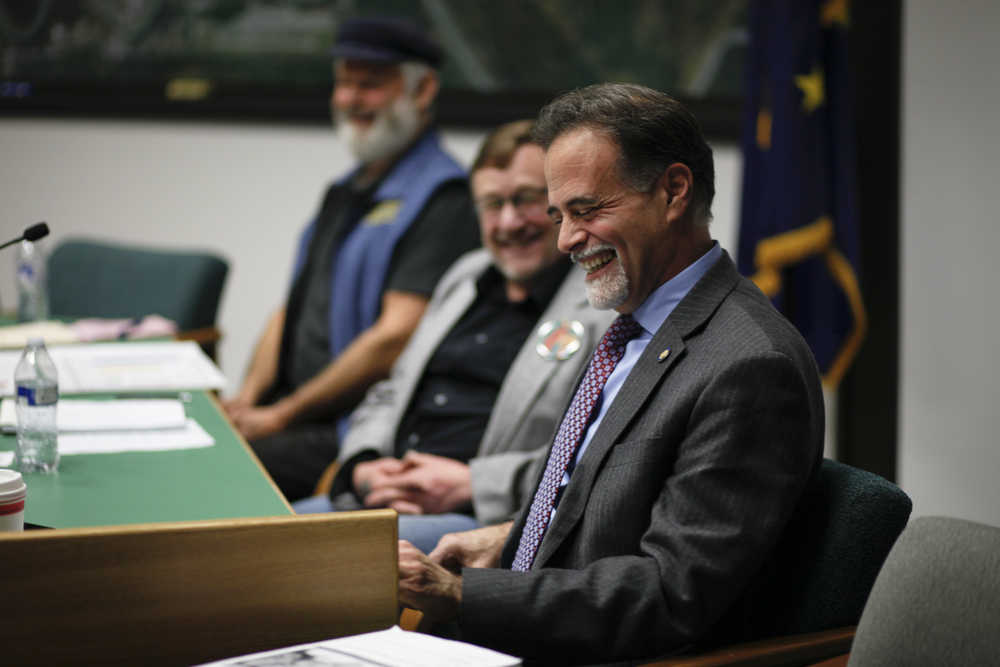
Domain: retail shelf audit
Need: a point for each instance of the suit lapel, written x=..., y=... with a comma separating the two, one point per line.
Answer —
x=688, y=317
x=452, y=308
x=535, y=371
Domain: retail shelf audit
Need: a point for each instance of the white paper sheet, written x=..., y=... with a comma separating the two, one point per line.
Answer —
x=386, y=648
x=53, y=332
x=75, y=414
x=123, y=367
x=192, y=436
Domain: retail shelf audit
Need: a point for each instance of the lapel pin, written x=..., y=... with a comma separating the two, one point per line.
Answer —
x=664, y=354
x=558, y=340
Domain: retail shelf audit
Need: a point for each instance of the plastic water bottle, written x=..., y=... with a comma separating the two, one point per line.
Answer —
x=37, y=385
x=32, y=300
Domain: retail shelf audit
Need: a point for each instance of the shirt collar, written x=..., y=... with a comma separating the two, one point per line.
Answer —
x=657, y=307
x=541, y=289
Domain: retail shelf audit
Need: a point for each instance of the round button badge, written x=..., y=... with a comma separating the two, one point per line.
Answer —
x=558, y=340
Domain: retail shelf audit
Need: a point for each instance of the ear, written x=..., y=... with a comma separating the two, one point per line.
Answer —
x=426, y=91
x=677, y=182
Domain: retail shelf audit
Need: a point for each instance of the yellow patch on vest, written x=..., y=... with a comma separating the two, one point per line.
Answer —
x=384, y=212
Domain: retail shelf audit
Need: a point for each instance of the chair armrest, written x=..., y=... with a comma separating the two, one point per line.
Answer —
x=206, y=337
x=801, y=649
x=202, y=336
x=325, y=481
x=413, y=620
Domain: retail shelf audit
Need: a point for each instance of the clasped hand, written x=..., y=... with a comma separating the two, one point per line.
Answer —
x=416, y=484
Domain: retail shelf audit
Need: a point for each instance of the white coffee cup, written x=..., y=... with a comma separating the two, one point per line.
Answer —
x=12, y=493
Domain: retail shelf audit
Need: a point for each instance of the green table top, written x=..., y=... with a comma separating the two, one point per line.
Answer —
x=218, y=482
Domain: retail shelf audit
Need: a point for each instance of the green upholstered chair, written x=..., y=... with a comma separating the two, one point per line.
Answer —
x=812, y=592
x=96, y=279
x=833, y=550
x=936, y=600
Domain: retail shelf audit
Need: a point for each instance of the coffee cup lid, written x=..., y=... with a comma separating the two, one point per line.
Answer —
x=11, y=484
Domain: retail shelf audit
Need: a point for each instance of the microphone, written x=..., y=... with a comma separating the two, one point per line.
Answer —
x=32, y=233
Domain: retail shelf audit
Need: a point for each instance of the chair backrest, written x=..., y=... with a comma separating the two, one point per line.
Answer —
x=96, y=279
x=824, y=565
x=184, y=593
x=936, y=600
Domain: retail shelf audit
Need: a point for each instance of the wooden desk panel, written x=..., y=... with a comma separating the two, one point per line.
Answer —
x=182, y=593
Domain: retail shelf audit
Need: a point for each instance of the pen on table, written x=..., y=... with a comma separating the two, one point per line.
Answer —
x=182, y=396
x=129, y=328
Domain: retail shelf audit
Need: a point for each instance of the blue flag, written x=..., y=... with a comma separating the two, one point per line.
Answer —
x=799, y=220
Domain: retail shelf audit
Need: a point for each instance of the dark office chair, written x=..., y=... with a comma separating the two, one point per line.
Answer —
x=815, y=587
x=95, y=279
x=936, y=600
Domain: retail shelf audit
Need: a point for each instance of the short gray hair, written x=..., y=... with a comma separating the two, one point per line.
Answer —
x=651, y=129
x=413, y=72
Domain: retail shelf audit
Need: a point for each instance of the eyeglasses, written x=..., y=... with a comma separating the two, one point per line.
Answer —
x=526, y=201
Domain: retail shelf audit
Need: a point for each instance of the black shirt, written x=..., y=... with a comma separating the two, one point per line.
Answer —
x=444, y=229
x=452, y=403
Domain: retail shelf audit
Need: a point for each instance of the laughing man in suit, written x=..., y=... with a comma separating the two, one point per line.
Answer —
x=659, y=505
x=508, y=325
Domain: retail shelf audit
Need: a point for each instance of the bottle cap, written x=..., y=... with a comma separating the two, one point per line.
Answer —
x=12, y=486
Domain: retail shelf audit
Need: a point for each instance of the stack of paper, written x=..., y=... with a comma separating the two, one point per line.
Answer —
x=128, y=425
x=118, y=415
x=52, y=332
x=123, y=367
x=387, y=648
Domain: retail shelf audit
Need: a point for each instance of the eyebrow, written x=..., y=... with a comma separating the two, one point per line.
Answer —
x=577, y=201
x=583, y=201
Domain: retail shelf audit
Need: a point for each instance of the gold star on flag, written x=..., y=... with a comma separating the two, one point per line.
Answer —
x=764, y=121
x=813, y=90
x=835, y=11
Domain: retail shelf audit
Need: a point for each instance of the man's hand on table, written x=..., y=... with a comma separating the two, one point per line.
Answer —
x=427, y=586
x=433, y=584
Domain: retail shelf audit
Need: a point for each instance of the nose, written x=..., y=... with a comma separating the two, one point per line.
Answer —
x=510, y=217
x=571, y=236
x=344, y=96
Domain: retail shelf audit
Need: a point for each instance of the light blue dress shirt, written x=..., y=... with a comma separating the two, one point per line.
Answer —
x=650, y=315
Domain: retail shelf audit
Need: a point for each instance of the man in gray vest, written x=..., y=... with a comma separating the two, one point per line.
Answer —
x=367, y=264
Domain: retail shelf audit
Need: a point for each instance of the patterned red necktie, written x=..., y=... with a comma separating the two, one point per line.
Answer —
x=574, y=424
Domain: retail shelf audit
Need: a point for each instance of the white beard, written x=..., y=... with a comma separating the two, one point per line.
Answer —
x=392, y=131
x=611, y=290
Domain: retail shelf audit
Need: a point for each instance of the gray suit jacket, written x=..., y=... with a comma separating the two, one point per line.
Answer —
x=531, y=399
x=679, y=498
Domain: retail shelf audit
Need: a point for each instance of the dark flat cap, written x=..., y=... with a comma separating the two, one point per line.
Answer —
x=385, y=40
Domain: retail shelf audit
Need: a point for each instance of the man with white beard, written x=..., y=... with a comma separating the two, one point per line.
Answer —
x=367, y=263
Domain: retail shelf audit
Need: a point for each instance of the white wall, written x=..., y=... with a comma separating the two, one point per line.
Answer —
x=949, y=421
x=244, y=191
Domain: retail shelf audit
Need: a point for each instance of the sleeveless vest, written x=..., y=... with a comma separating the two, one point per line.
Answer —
x=363, y=257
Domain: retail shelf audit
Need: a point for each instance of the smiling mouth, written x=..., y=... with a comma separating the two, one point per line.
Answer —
x=519, y=241
x=361, y=119
x=595, y=260
x=357, y=117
